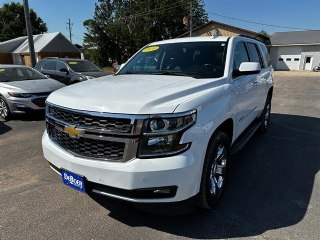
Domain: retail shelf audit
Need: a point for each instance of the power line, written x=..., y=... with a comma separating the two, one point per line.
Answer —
x=168, y=7
x=257, y=23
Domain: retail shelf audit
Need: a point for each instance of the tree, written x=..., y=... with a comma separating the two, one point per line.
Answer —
x=121, y=27
x=12, y=22
x=265, y=33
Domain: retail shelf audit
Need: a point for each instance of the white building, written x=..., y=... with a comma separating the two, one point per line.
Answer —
x=299, y=50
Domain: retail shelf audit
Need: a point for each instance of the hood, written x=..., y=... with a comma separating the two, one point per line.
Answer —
x=33, y=86
x=130, y=94
x=95, y=74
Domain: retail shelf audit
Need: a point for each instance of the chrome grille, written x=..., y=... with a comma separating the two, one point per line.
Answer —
x=93, y=135
x=90, y=148
x=120, y=125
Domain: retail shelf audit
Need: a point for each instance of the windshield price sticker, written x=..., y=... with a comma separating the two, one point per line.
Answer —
x=73, y=63
x=150, y=49
x=2, y=70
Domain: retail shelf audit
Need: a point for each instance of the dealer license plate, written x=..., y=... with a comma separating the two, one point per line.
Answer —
x=73, y=180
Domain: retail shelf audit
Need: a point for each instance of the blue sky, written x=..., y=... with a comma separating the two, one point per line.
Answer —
x=292, y=13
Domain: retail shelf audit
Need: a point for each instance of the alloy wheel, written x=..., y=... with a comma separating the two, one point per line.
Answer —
x=3, y=109
x=218, y=171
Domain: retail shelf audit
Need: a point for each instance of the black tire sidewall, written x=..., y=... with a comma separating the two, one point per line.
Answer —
x=206, y=200
x=9, y=113
x=263, y=128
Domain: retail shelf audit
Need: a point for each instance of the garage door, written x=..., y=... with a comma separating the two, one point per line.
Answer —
x=288, y=62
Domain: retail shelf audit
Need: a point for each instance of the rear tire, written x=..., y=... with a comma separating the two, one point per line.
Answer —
x=4, y=109
x=214, y=174
x=265, y=116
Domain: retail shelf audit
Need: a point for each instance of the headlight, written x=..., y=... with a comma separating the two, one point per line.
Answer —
x=20, y=95
x=161, y=135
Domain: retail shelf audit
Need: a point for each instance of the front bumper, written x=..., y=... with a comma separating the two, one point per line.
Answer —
x=23, y=105
x=182, y=171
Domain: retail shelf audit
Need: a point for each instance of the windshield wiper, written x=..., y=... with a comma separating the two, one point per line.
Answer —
x=127, y=72
x=175, y=74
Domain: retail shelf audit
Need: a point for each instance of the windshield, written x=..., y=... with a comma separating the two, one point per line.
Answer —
x=13, y=74
x=194, y=59
x=83, y=66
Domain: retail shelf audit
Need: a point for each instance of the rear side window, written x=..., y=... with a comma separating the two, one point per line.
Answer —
x=240, y=56
x=50, y=66
x=266, y=55
x=254, y=54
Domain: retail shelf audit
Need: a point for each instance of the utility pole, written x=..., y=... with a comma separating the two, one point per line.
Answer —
x=69, y=28
x=190, y=18
x=29, y=32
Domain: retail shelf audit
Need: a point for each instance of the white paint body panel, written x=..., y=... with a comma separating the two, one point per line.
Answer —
x=215, y=100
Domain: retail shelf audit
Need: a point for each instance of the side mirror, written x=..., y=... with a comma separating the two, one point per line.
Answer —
x=247, y=68
x=117, y=67
x=64, y=70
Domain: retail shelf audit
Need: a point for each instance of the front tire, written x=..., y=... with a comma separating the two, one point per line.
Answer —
x=4, y=110
x=214, y=173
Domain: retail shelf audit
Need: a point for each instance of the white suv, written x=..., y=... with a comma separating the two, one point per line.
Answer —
x=163, y=128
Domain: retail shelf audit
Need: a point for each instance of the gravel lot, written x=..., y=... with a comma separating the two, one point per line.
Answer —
x=273, y=190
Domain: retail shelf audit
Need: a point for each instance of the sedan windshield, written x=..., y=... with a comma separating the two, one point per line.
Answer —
x=83, y=66
x=13, y=74
x=193, y=59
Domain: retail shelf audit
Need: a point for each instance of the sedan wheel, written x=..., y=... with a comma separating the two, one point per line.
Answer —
x=4, y=109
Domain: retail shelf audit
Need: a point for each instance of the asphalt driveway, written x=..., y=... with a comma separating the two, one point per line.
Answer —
x=273, y=190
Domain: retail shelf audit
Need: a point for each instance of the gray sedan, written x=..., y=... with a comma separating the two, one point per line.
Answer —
x=23, y=89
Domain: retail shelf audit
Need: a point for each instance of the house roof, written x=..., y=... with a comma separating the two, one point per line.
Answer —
x=226, y=25
x=40, y=41
x=296, y=38
x=47, y=42
x=10, y=45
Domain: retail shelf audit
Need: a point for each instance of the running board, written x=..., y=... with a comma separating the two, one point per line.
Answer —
x=245, y=137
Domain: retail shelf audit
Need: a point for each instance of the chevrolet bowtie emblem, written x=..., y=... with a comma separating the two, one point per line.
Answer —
x=73, y=131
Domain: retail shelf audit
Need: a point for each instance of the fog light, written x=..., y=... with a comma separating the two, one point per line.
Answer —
x=162, y=191
x=18, y=105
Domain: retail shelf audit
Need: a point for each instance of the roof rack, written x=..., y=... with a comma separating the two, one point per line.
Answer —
x=243, y=35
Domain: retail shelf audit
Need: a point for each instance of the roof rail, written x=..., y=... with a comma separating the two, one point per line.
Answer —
x=51, y=58
x=243, y=35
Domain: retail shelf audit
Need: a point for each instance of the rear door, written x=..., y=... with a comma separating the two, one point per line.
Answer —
x=259, y=84
x=244, y=91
